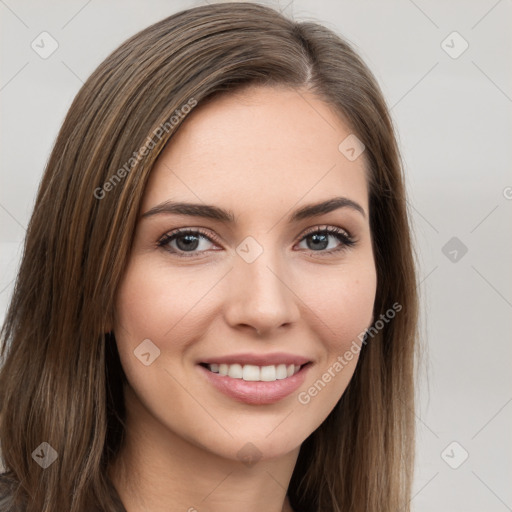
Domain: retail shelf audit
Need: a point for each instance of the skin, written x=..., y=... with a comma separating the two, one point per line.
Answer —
x=261, y=153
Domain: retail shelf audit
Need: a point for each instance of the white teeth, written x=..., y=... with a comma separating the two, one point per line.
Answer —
x=281, y=372
x=250, y=372
x=268, y=373
x=235, y=371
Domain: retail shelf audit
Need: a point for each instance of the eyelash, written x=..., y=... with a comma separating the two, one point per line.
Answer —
x=343, y=236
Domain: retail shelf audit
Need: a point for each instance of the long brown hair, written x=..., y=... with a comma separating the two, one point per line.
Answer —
x=61, y=379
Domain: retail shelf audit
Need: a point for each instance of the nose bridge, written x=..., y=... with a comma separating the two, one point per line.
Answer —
x=260, y=294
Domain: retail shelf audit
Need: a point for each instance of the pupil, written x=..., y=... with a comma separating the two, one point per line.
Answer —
x=323, y=240
x=189, y=242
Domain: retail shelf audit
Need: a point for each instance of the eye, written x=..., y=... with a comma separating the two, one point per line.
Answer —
x=319, y=238
x=187, y=241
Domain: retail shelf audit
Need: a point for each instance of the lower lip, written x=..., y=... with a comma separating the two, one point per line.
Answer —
x=256, y=393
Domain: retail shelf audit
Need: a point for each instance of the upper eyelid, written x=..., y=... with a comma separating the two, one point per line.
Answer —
x=325, y=227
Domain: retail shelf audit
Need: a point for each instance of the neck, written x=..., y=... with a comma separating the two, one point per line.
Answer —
x=158, y=470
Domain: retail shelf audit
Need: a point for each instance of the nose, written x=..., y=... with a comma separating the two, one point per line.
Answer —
x=261, y=296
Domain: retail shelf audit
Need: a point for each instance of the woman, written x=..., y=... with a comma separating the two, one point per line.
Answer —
x=216, y=306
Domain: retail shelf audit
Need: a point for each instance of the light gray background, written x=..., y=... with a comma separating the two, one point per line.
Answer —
x=454, y=121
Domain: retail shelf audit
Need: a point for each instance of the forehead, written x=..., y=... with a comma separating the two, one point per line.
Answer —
x=266, y=146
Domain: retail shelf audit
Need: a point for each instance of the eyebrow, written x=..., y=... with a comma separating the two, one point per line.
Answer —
x=227, y=216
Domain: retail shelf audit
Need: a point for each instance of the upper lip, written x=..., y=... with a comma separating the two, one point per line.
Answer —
x=258, y=359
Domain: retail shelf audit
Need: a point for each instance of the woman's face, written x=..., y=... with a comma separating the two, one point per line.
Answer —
x=258, y=295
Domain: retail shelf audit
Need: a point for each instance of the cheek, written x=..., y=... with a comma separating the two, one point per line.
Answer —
x=340, y=324
x=343, y=304
x=146, y=309
x=168, y=307
x=152, y=302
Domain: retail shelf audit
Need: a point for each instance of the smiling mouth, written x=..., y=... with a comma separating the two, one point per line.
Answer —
x=254, y=373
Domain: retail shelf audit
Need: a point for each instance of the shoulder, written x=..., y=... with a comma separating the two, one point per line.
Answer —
x=8, y=486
